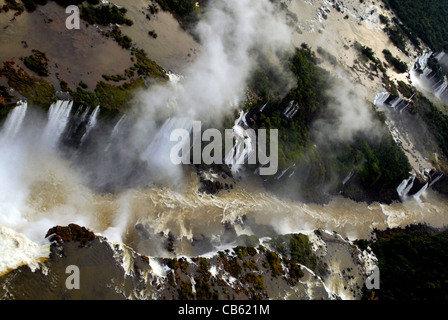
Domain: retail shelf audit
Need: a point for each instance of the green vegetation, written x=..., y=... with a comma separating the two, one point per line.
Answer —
x=368, y=55
x=92, y=14
x=436, y=120
x=109, y=97
x=185, y=10
x=105, y=15
x=384, y=20
x=153, y=34
x=436, y=68
x=146, y=66
x=274, y=262
x=397, y=37
x=399, y=66
x=123, y=40
x=404, y=89
x=307, y=95
x=84, y=97
x=297, y=248
x=13, y=5
x=377, y=164
x=362, y=244
x=232, y=266
x=38, y=91
x=295, y=271
x=116, y=78
x=31, y=5
x=83, y=85
x=256, y=280
x=423, y=19
x=64, y=85
x=7, y=101
x=412, y=265
x=381, y=166
x=186, y=291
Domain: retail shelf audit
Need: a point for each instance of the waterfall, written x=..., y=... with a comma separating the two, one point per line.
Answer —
x=440, y=56
x=422, y=63
x=58, y=117
x=115, y=131
x=117, y=127
x=239, y=153
x=397, y=103
x=14, y=120
x=291, y=110
x=174, y=78
x=436, y=179
x=244, y=120
x=424, y=78
x=160, y=143
x=405, y=186
x=381, y=98
x=91, y=124
x=420, y=192
x=282, y=174
x=441, y=90
x=158, y=152
x=405, y=107
x=348, y=177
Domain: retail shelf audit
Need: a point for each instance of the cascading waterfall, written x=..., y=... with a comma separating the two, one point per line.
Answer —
x=52, y=189
x=14, y=120
x=117, y=127
x=406, y=186
x=424, y=78
x=291, y=110
x=348, y=177
x=58, y=117
x=420, y=192
x=441, y=90
x=243, y=148
x=435, y=180
x=395, y=103
x=57, y=199
x=381, y=98
x=91, y=124
x=157, y=154
x=116, y=131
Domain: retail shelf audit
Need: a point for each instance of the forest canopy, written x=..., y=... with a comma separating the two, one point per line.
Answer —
x=425, y=19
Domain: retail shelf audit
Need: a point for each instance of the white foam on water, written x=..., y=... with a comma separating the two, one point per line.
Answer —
x=17, y=250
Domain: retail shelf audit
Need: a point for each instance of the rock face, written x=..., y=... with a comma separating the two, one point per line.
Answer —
x=212, y=181
x=72, y=232
x=282, y=267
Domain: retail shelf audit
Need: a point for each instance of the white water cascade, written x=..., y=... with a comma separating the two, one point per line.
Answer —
x=58, y=117
x=291, y=110
x=91, y=124
x=243, y=148
x=157, y=154
x=423, y=77
x=14, y=120
x=405, y=186
x=381, y=98
x=395, y=103
x=116, y=131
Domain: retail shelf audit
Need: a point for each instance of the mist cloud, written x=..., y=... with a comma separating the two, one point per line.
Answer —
x=348, y=113
x=232, y=35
